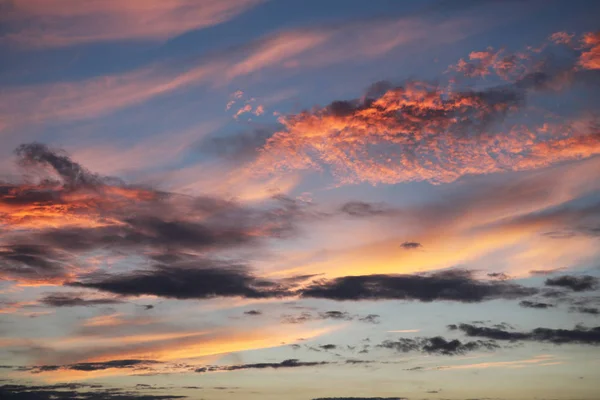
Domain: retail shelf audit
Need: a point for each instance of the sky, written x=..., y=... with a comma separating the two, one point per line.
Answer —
x=304, y=200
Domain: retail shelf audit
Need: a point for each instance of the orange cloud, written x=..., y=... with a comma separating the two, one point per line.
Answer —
x=246, y=109
x=483, y=63
x=561, y=38
x=590, y=59
x=170, y=346
x=38, y=23
x=419, y=133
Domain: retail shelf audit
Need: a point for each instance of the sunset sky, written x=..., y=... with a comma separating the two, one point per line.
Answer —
x=299, y=199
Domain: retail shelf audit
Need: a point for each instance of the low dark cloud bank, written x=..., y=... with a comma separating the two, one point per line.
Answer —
x=575, y=283
x=535, y=304
x=291, y=363
x=361, y=398
x=438, y=345
x=577, y=335
x=452, y=285
x=73, y=391
x=74, y=300
x=95, y=366
x=329, y=315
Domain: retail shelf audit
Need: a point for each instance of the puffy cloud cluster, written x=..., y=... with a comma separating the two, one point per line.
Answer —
x=590, y=59
x=433, y=132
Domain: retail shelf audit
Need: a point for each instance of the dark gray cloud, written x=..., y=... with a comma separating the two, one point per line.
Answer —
x=361, y=209
x=73, y=391
x=437, y=345
x=40, y=156
x=577, y=335
x=576, y=283
x=32, y=261
x=339, y=315
x=291, y=363
x=206, y=278
x=411, y=245
x=74, y=300
x=95, y=366
x=328, y=347
x=361, y=398
x=451, y=285
x=585, y=310
x=535, y=304
x=201, y=279
x=499, y=275
x=544, y=272
x=331, y=315
x=371, y=318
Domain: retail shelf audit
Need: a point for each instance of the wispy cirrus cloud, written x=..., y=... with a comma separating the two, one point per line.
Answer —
x=39, y=24
x=288, y=50
x=537, y=361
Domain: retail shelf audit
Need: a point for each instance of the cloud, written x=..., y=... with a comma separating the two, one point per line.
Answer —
x=371, y=319
x=102, y=95
x=575, y=283
x=33, y=263
x=72, y=174
x=253, y=312
x=423, y=131
x=38, y=24
x=330, y=315
x=95, y=366
x=499, y=62
x=361, y=398
x=537, y=361
x=438, y=345
x=69, y=212
x=577, y=335
x=362, y=209
x=291, y=363
x=411, y=245
x=75, y=300
x=71, y=391
x=544, y=272
x=585, y=310
x=561, y=38
x=590, y=59
x=199, y=280
x=535, y=304
x=451, y=285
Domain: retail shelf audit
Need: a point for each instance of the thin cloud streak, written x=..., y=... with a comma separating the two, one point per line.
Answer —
x=40, y=24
